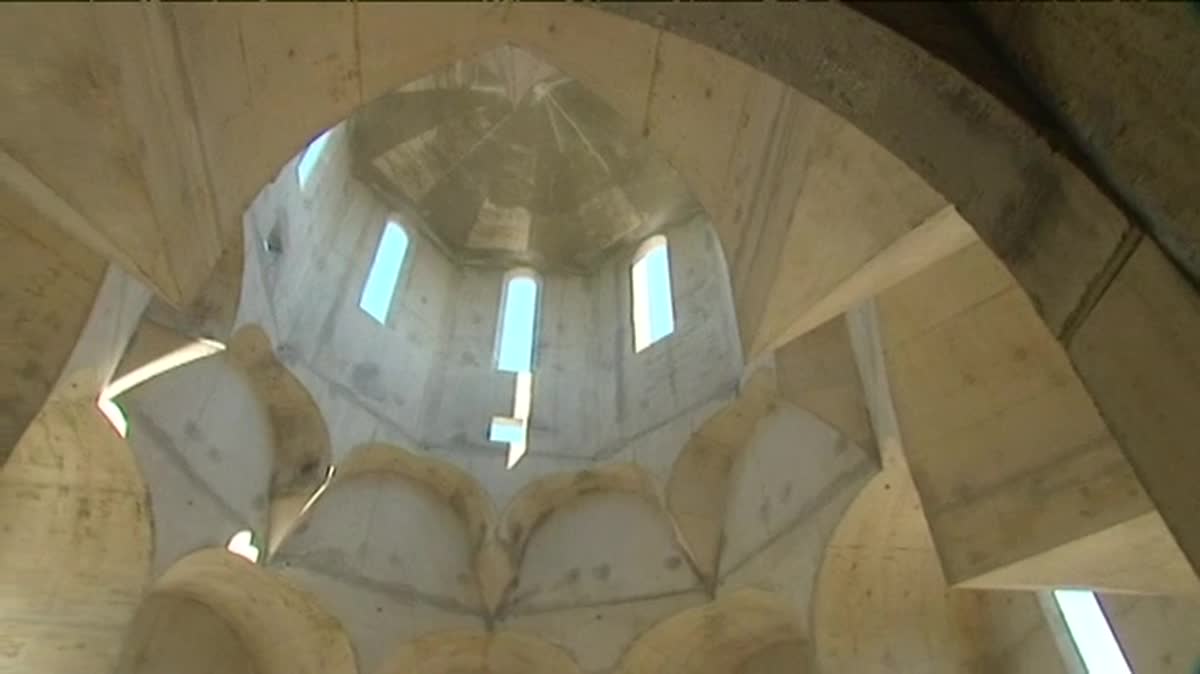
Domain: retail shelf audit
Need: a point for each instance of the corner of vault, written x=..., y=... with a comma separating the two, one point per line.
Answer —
x=302, y=451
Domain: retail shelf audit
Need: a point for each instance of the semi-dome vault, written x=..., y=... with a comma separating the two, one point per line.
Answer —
x=505, y=157
x=535, y=338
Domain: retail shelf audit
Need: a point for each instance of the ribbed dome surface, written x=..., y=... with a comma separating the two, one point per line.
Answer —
x=507, y=159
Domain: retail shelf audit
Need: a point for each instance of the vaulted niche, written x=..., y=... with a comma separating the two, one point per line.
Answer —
x=488, y=264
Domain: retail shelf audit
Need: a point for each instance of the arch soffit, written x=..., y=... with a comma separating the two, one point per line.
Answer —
x=882, y=533
x=721, y=635
x=302, y=450
x=503, y=652
x=457, y=488
x=541, y=498
x=77, y=526
x=301, y=438
x=283, y=627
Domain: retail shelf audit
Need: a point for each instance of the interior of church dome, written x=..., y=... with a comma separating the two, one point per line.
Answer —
x=626, y=339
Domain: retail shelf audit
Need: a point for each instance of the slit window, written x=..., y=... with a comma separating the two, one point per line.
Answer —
x=384, y=273
x=514, y=347
x=1091, y=633
x=308, y=161
x=653, y=306
x=514, y=353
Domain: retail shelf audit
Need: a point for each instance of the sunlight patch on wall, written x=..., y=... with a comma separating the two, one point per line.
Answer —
x=312, y=154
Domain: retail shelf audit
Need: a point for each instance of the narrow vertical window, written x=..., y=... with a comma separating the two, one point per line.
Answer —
x=514, y=353
x=1090, y=632
x=653, y=305
x=514, y=348
x=308, y=161
x=384, y=273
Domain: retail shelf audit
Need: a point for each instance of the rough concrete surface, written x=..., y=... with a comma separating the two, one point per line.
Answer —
x=931, y=359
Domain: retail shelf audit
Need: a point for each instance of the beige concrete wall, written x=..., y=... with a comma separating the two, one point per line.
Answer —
x=50, y=282
x=1158, y=635
x=883, y=605
x=183, y=636
x=103, y=142
x=1127, y=121
x=75, y=544
x=1008, y=452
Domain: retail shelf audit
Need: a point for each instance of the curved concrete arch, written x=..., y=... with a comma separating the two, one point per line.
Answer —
x=704, y=471
x=459, y=489
x=360, y=525
x=537, y=500
x=302, y=452
x=717, y=638
x=453, y=487
x=281, y=628
x=881, y=603
x=555, y=570
x=502, y=652
x=76, y=542
x=387, y=552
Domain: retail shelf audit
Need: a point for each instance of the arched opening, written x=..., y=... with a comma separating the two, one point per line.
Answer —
x=653, y=303
x=518, y=318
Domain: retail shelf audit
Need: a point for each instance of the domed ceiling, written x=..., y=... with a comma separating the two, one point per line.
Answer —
x=508, y=160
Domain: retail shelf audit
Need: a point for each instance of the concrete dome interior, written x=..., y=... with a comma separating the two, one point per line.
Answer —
x=399, y=338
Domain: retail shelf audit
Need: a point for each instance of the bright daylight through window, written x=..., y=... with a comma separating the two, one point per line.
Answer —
x=242, y=545
x=514, y=353
x=1092, y=635
x=384, y=273
x=653, y=306
x=312, y=154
